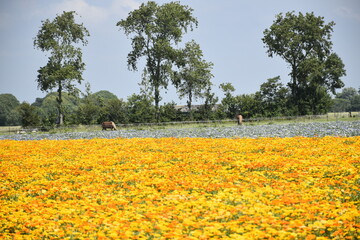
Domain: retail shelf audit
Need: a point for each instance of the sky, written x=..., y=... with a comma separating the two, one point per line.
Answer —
x=229, y=34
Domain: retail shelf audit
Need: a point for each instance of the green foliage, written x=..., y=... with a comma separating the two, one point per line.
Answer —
x=347, y=101
x=229, y=106
x=304, y=42
x=88, y=113
x=273, y=97
x=155, y=30
x=29, y=115
x=116, y=111
x=347, y=93
x=8, y=103
x=48, y=108
x=340, y=105
x=355, y=103
x=13, y=118
x=60, y=37
x=227, y=88
x=99, y=107
x=102, y=98
x=248, y=105
x=194, y=75
x=140, y=109
x=168, y=113
x=207, y=111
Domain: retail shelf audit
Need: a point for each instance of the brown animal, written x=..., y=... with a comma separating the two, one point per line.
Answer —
x=239, y=119
x=106, y=125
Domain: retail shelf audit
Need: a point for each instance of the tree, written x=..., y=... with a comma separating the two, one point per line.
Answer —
x=140, y=109
x=88, y=111
x=60, y=37
x=273, y=97
x=48, y=108
x=341, y=105
x=116, y=111
x=228, y=104
x=98, y=107
x=347, y=93
x=102, y=98
x=8, y=102
x=194, y=75
x=304, y=42
x=29, y=115
x=347, y=100
x=207, y=109
x=355, y=103
x=155, y=30
x=169, y=112
x=248, y=105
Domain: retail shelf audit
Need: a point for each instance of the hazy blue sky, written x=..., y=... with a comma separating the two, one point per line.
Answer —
x=229, y=34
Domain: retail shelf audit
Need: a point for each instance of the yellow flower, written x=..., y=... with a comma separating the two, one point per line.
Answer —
x=191, y=188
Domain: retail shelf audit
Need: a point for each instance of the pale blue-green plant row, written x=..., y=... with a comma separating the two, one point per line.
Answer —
x=312, y=129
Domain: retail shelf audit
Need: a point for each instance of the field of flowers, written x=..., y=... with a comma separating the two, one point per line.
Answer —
x=181, y=188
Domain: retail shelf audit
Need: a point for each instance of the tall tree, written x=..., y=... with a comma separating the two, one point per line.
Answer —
x=194, y=75
x=304, y=42
x=155, y=30
x=61, y=38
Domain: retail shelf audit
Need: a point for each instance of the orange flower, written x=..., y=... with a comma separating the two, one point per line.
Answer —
x=191, y=188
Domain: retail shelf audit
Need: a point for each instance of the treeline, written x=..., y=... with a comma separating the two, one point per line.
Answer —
x=272, y=100
x=303, y=41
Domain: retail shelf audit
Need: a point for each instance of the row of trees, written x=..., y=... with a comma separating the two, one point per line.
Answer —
x=156, y=32
x=89, y=109
x=271, y=100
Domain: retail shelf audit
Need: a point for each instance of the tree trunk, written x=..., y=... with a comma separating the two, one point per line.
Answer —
x=189, y=101
x=157, y=100
x=60, y=120
x=294, y=89
x=157, y=82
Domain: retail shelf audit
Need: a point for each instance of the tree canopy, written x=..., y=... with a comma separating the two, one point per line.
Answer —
x=273, y=97
x=347, y=100
x=155, y=30
x=194, y=76
x=8, y=103
x=60, y=37
x=304, y=42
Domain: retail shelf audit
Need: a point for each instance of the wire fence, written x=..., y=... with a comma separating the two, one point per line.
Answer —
x=97, y=127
